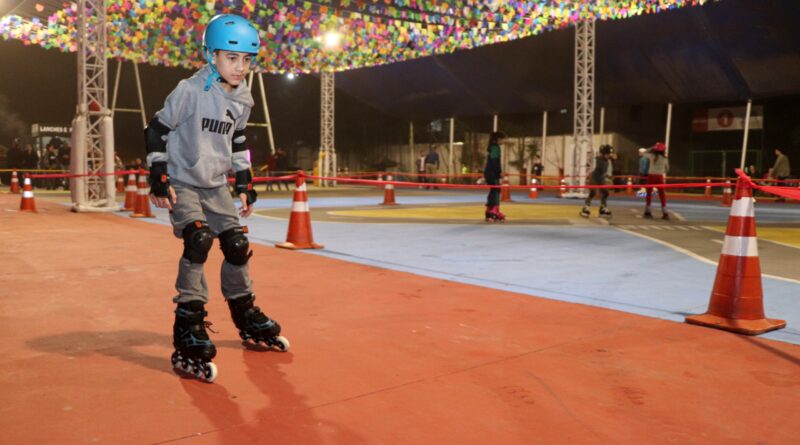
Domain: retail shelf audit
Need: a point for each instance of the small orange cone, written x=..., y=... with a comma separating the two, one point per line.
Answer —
x=629, y=188
x=563, y=190
x=726, y=194
x=708, y=188
x=14, y=183
x=380, y=179
x=534, y=193
x=120, y=184
x=142, y=207
x=388, y=193
x=737, y=298
x=130, y=194
x=27, y=204
x=299, y=235
x=505, y=190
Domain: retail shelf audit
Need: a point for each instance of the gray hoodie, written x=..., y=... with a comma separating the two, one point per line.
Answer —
x=199, y=147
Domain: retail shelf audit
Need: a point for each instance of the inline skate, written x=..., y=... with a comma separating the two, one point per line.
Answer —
x=253, y=325
x=193, y=349
x=494, y=214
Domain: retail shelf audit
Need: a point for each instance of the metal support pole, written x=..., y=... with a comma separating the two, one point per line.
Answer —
x=451, y=168
x=116, y=88
x=266, y=112
x=411, y=147
x=583, y=126
x=746, y=133
x=602, y=125
x=139, y=92
x=669, y=126
x=544, y=136
x=327, y=123
x=494, y=123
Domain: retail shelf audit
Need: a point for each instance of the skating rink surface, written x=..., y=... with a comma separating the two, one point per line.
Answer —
x=425, y=332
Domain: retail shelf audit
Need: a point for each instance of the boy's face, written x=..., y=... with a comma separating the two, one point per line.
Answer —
x=233, y=66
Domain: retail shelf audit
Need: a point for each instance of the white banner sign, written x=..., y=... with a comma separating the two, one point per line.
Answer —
x=724, y=119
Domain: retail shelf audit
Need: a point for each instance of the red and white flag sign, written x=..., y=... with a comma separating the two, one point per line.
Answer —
x=722, y=119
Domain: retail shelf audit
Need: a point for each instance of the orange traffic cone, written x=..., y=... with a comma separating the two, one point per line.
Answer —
x=534, y=193
x=380, y=179
x=142, y=207
x=388, y=193
x=130, y=194
x=299, y=235
x=726, y=194
x=708, y=188
x=505, y=190
x=27, y=204
x=563, y=190
x=120, y=184
x=737, y=298
x=629, y=188
x=14, y=183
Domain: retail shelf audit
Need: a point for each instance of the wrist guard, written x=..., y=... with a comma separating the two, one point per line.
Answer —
x=159, y=179
x=244, y=184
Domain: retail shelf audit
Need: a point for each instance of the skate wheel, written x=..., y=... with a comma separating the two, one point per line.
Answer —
x=176, y=360
x=210, y=372
x=281, y=342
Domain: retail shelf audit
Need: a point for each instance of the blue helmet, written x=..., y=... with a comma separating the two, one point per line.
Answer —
x=229, y=32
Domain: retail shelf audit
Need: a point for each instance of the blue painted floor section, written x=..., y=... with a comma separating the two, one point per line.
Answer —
x=598, y=266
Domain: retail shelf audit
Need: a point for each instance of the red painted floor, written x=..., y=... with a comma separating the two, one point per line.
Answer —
x=378, y=357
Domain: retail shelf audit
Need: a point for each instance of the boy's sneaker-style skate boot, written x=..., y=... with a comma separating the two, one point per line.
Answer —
x=665, y=215
x=605, y=212
x=647, y=213
x=193, y=349
x=487, y=215
x=586, y=212
x=254, y=325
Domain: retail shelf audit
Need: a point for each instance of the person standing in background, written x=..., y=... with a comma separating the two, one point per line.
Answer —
x=781, y=170
x=658, y=166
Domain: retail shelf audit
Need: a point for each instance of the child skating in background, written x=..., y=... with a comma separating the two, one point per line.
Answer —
x=492, y=173
x=192, y=143
x=601, y=175
x=658, y=169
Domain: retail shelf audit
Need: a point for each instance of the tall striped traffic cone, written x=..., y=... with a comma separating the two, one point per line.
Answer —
x=563, y=190
x=726, y=194
x=505, y=190
x=737, y=298
x=299, y=235
x=27, y=204
x=388, y=193
x=120, y=184
x=629, y=186
x=130, y=194
x=534, y=193
x=142, y=207
x=707, y=192
x=380, y=179
x=14, y=183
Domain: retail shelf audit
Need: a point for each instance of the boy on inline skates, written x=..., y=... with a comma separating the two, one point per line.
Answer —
x=192, y=143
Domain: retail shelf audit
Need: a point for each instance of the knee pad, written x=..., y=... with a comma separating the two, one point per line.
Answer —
x=197, y=241
x=235, y=246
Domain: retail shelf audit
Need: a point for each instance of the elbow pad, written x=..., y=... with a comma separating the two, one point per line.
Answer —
x=239, y=141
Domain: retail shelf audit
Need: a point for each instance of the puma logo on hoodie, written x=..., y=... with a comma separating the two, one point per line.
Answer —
x=216, y=126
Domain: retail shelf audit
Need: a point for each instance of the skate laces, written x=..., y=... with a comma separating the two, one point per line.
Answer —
x=207, y=325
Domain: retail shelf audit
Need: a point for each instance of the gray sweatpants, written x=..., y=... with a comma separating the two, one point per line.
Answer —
x=214, y=206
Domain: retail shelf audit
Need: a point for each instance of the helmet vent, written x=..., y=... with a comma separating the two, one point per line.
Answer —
x=233, y=42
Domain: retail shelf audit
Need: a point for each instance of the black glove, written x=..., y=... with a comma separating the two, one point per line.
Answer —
x=244, y=184
x=159, y=180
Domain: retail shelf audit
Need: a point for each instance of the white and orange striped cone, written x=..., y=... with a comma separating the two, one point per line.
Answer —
x=707, y=192
x=299, y=235
x=120, y=184
x=629, y=188
x=130, y=194
x=737, y=301
x=380, y=179
x=726, y=194
x=505, y=190
x=534, y=193
x=142, y=207
x=563, y=190
x=388, y=193
x=27, y=204
x=14, y=183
